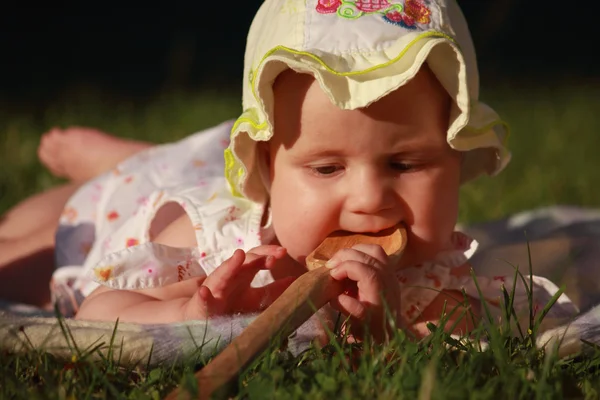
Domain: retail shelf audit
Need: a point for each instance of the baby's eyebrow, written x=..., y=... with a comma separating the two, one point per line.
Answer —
x=421, y=148
x=320, y=152
x=414, y=150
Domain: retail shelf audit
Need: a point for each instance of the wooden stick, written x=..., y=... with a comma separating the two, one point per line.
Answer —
x=304, y=297
x=298, y=303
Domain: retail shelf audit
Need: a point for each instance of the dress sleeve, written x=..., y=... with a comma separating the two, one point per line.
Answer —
x=149, y=265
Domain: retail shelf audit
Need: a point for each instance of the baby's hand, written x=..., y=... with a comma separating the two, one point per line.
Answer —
x=227, y=290
x=373, y=289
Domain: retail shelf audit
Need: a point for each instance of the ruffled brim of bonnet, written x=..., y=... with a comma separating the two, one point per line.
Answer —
x=359, y=51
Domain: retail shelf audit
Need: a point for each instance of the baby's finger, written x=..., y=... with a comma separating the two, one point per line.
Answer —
x=201, y=305
x=372, y=250
x=247, y=271
x=238, y=279
x=267, y=261
x=350, y=306
x=271, y=252
x=227, y=271
x=355, y=254
x=358, y=272
x=276, y=252
x=206, y=300
x=370, y=281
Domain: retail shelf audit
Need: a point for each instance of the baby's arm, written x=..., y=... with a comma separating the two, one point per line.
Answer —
x=227, y=290
x=164, y=304
x=462, y=313
x=132, y=306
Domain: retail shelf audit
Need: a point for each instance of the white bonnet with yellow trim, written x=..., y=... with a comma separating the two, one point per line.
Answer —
x=359, y=51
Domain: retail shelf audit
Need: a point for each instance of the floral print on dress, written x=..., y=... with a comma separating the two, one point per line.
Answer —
x=158, y=198
x=150, y=265
x=233, y=214
x=106, y=243
x=408, y=14
x=183, y=270
x=437, y=282
x=112, y=216
x=70, y=214
x=104, y=274
x=420, y=284
x=96, y=193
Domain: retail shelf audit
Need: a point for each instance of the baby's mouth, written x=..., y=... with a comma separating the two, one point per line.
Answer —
x=382, y=232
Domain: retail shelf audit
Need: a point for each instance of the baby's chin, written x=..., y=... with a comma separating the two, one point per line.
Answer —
x=418, y=251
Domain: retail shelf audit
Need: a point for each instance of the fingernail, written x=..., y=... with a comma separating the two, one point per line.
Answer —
x=332, y=263
x=334, y=273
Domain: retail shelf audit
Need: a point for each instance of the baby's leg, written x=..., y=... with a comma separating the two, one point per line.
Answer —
x=42, y=210
x=81, y=154
x=27, y=246
x=26, y=266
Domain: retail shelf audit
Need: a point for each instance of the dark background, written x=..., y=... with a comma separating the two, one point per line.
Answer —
x=137, y=52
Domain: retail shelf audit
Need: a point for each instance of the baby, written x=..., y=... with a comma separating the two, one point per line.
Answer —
x=358, y=116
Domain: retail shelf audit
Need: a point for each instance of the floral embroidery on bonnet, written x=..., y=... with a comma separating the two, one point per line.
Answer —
x=406, y=15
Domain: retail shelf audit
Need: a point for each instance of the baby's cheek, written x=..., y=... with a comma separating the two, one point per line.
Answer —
x=434, y=224
x=296, y=240
x=298, y=236
x=302, y=217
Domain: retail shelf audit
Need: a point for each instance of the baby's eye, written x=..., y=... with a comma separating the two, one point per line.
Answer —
x=400, y=166
x=326, y=169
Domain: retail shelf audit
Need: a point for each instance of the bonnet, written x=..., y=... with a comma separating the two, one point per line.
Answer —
x=359, y=51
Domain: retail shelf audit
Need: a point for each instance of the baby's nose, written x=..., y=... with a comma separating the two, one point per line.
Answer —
x=371, y=196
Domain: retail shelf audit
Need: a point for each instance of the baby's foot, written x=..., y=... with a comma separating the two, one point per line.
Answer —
x=80, y=153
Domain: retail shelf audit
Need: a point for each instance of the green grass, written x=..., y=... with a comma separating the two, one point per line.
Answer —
x=555, y=140
x=555, y=137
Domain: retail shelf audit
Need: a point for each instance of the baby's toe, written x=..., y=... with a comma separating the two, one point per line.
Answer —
x=82, y=133
x=52, y=140
x=50, y=151
x=43, y=150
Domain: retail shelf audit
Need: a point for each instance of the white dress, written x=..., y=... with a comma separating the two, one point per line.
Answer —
x=103, y=234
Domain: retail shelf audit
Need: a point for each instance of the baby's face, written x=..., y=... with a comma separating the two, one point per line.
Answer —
x=362, y=170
